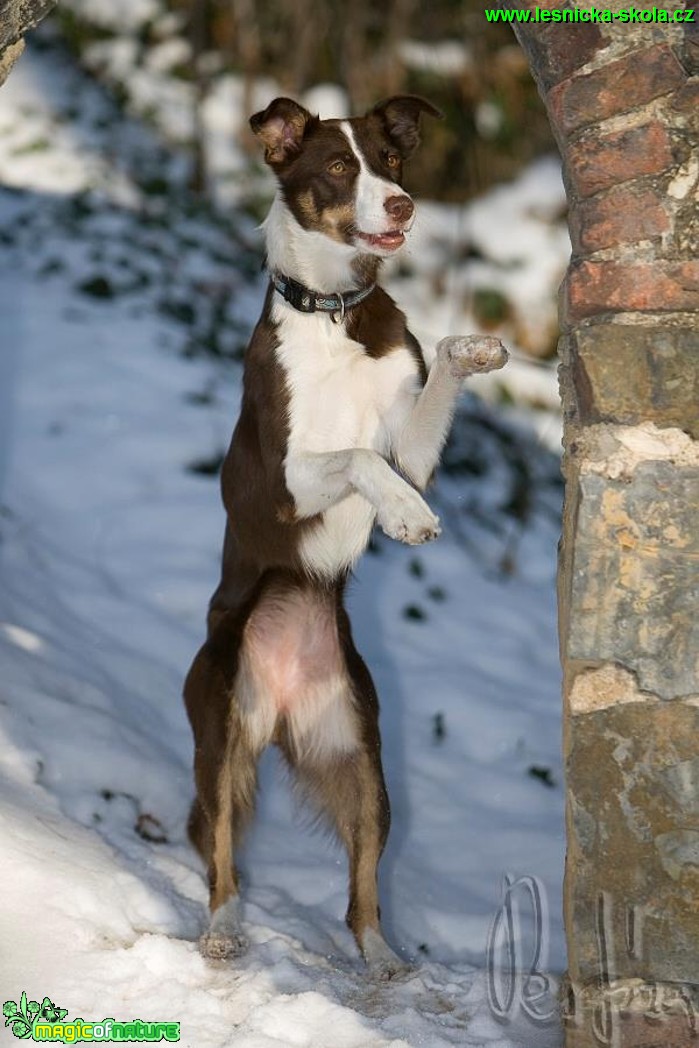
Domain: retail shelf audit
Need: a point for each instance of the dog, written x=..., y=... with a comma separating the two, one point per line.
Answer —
x=341, y=427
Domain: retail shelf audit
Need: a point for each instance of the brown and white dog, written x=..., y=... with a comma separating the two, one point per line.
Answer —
x=340, y=427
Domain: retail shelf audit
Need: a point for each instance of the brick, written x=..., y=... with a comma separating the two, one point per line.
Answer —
x=629, y=374
x=591, y=288
x=685, y=104
x=688, y=47
x=17, y=18
x=624, y=215
x=616, y=88
x=8, y=57
x=556, y=51
x=623, y=806
x=667, y=1030
x=686, y=231
x=599, y=162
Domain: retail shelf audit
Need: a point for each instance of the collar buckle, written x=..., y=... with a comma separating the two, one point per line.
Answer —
x=300, y=297
x=305, y=300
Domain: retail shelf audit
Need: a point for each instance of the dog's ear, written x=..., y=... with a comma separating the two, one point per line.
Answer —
x=281, y=127
x=400, y=117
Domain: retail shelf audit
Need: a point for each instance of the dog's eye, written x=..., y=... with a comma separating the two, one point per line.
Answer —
x=337, y=167
x=393, y=160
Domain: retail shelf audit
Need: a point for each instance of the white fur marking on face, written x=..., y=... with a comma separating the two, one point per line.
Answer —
x=372, y=192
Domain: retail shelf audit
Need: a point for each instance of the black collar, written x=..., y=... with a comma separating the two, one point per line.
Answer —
x=306, y=301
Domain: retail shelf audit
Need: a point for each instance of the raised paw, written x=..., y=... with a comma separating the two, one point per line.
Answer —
x=407, y=518
x=466, y=355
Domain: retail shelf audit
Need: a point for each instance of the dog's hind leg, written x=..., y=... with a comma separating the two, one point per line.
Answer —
x=369, y=817
x=226, y=780
x=364, y=825
x=349, y=790
x=346, y=784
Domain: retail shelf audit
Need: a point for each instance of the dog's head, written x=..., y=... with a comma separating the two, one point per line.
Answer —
x=342, y=178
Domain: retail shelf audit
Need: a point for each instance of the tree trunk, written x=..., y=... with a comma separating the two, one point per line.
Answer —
x=623, y=100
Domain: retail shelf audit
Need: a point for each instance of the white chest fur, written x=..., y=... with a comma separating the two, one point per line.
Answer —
x=339, y=397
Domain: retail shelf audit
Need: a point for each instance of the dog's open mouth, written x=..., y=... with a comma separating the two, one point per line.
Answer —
x=390, y=241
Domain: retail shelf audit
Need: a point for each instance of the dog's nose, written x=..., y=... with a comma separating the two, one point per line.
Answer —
x=399, y=208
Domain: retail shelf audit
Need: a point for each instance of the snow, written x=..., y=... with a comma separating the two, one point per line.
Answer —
x=130, y=16
x=329, y=101
x=109, y=549
x=446, y=58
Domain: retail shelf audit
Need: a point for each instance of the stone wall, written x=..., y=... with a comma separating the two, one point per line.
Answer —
x=623, y=100
x=16, y=17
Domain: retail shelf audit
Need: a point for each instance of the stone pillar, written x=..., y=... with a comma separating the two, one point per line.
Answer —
x=16, y=17
x=623, y=100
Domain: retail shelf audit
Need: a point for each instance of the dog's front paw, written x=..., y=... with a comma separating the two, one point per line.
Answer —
x=407, y=518
x=471, y=354
x=222, y=946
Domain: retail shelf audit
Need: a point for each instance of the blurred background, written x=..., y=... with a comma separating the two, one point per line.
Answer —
x=474, y=72
x=195, y=70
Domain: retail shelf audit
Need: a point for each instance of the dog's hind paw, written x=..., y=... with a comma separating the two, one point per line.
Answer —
x=383, y=964
x=222, y=946
x=224, y=938
x=467, y=355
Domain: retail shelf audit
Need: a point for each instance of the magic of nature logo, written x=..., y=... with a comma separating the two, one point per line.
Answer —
x=47, y=1022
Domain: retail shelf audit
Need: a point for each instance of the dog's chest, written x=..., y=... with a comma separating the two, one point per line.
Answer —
x=339, y=396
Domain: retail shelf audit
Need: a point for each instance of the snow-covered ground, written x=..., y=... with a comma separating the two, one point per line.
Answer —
x=110, y=530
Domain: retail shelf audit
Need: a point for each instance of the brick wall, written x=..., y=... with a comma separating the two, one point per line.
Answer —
x=623, y=101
